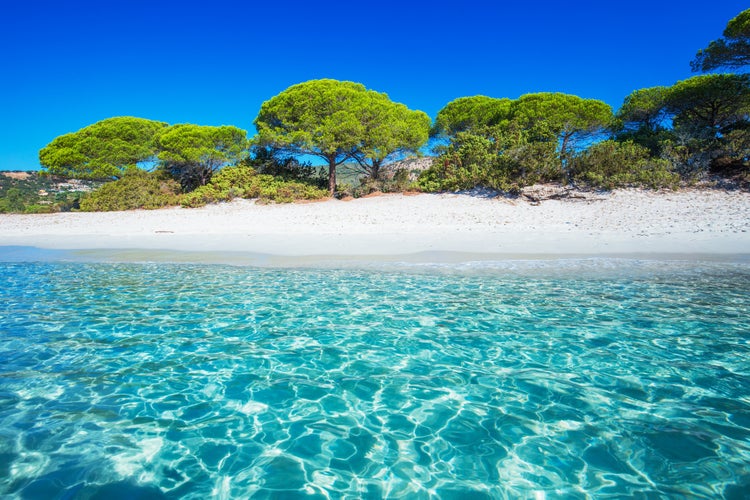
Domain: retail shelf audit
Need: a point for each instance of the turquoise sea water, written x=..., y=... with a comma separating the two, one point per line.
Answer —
x=590, y=379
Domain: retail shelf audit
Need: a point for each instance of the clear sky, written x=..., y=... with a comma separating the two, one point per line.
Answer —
x=69, y=63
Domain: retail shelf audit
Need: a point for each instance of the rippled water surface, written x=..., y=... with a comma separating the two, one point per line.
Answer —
x=199, y=381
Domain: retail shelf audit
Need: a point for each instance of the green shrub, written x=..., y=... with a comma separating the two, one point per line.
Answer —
x=464, y=164
x=243, y=181
x=397, y=182
x=41, y=209
x=734, y=161
x=136, y=189
x=529, y=163
x=611, y=164
x=504, y=163
x=67, y=201
x=13, y=201
x=288, y=191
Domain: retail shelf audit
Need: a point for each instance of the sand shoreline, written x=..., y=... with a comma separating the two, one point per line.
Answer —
x=624, y=222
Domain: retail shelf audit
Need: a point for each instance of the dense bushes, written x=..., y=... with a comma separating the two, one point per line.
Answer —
x=395, y=181
x=611, y=164
x=472, y=161
x=606, y=165
x=521, y=142
x=244, y=182
x=136, y=189
x=493, y=159
x=140, y=189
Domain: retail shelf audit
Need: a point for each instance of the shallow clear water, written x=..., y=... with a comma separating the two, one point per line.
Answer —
x=605, y=380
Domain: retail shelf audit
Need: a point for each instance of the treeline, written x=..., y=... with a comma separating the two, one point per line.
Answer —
x=660, y=137
x=154, y=164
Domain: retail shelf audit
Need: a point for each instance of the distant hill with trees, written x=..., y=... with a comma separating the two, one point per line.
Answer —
x=30, y=192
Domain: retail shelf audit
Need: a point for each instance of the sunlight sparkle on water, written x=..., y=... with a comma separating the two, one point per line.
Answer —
x=192, y=381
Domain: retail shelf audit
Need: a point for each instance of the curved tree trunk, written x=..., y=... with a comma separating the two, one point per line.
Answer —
x=331, y=175
x=375, y=171
x=564, y=158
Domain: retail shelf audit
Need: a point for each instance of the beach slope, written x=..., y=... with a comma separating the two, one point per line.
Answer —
x=687, y=222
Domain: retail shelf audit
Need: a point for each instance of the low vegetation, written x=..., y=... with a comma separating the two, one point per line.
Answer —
x=150, y=190
x=136, y=189
x=612, y=164
x=243, y=181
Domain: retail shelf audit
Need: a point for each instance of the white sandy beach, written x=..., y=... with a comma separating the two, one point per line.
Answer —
x=621, y=222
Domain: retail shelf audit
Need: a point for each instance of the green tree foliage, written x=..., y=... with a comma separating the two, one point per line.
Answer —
x=566, y=119
x=734, y=163
x=644, y=119
x=13, y=201
x=136, y=189
x=336, y=121
x=192, y=153
x=104, y=150
x=710, y=115
x=506, y=144
x=708, y=104
x=697, y=124
x=278, y=164
x=318, y=117
x=471, y=114
x=390, y=130
x=732, y=51
x=644, y=109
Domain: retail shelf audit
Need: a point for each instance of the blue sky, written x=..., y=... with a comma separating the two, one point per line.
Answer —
x=67, y=64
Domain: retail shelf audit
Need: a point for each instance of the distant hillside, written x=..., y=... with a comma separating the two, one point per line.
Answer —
x=413, y=165
x=31, y=192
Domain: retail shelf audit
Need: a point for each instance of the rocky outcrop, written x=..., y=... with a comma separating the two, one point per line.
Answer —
x=414, y=166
